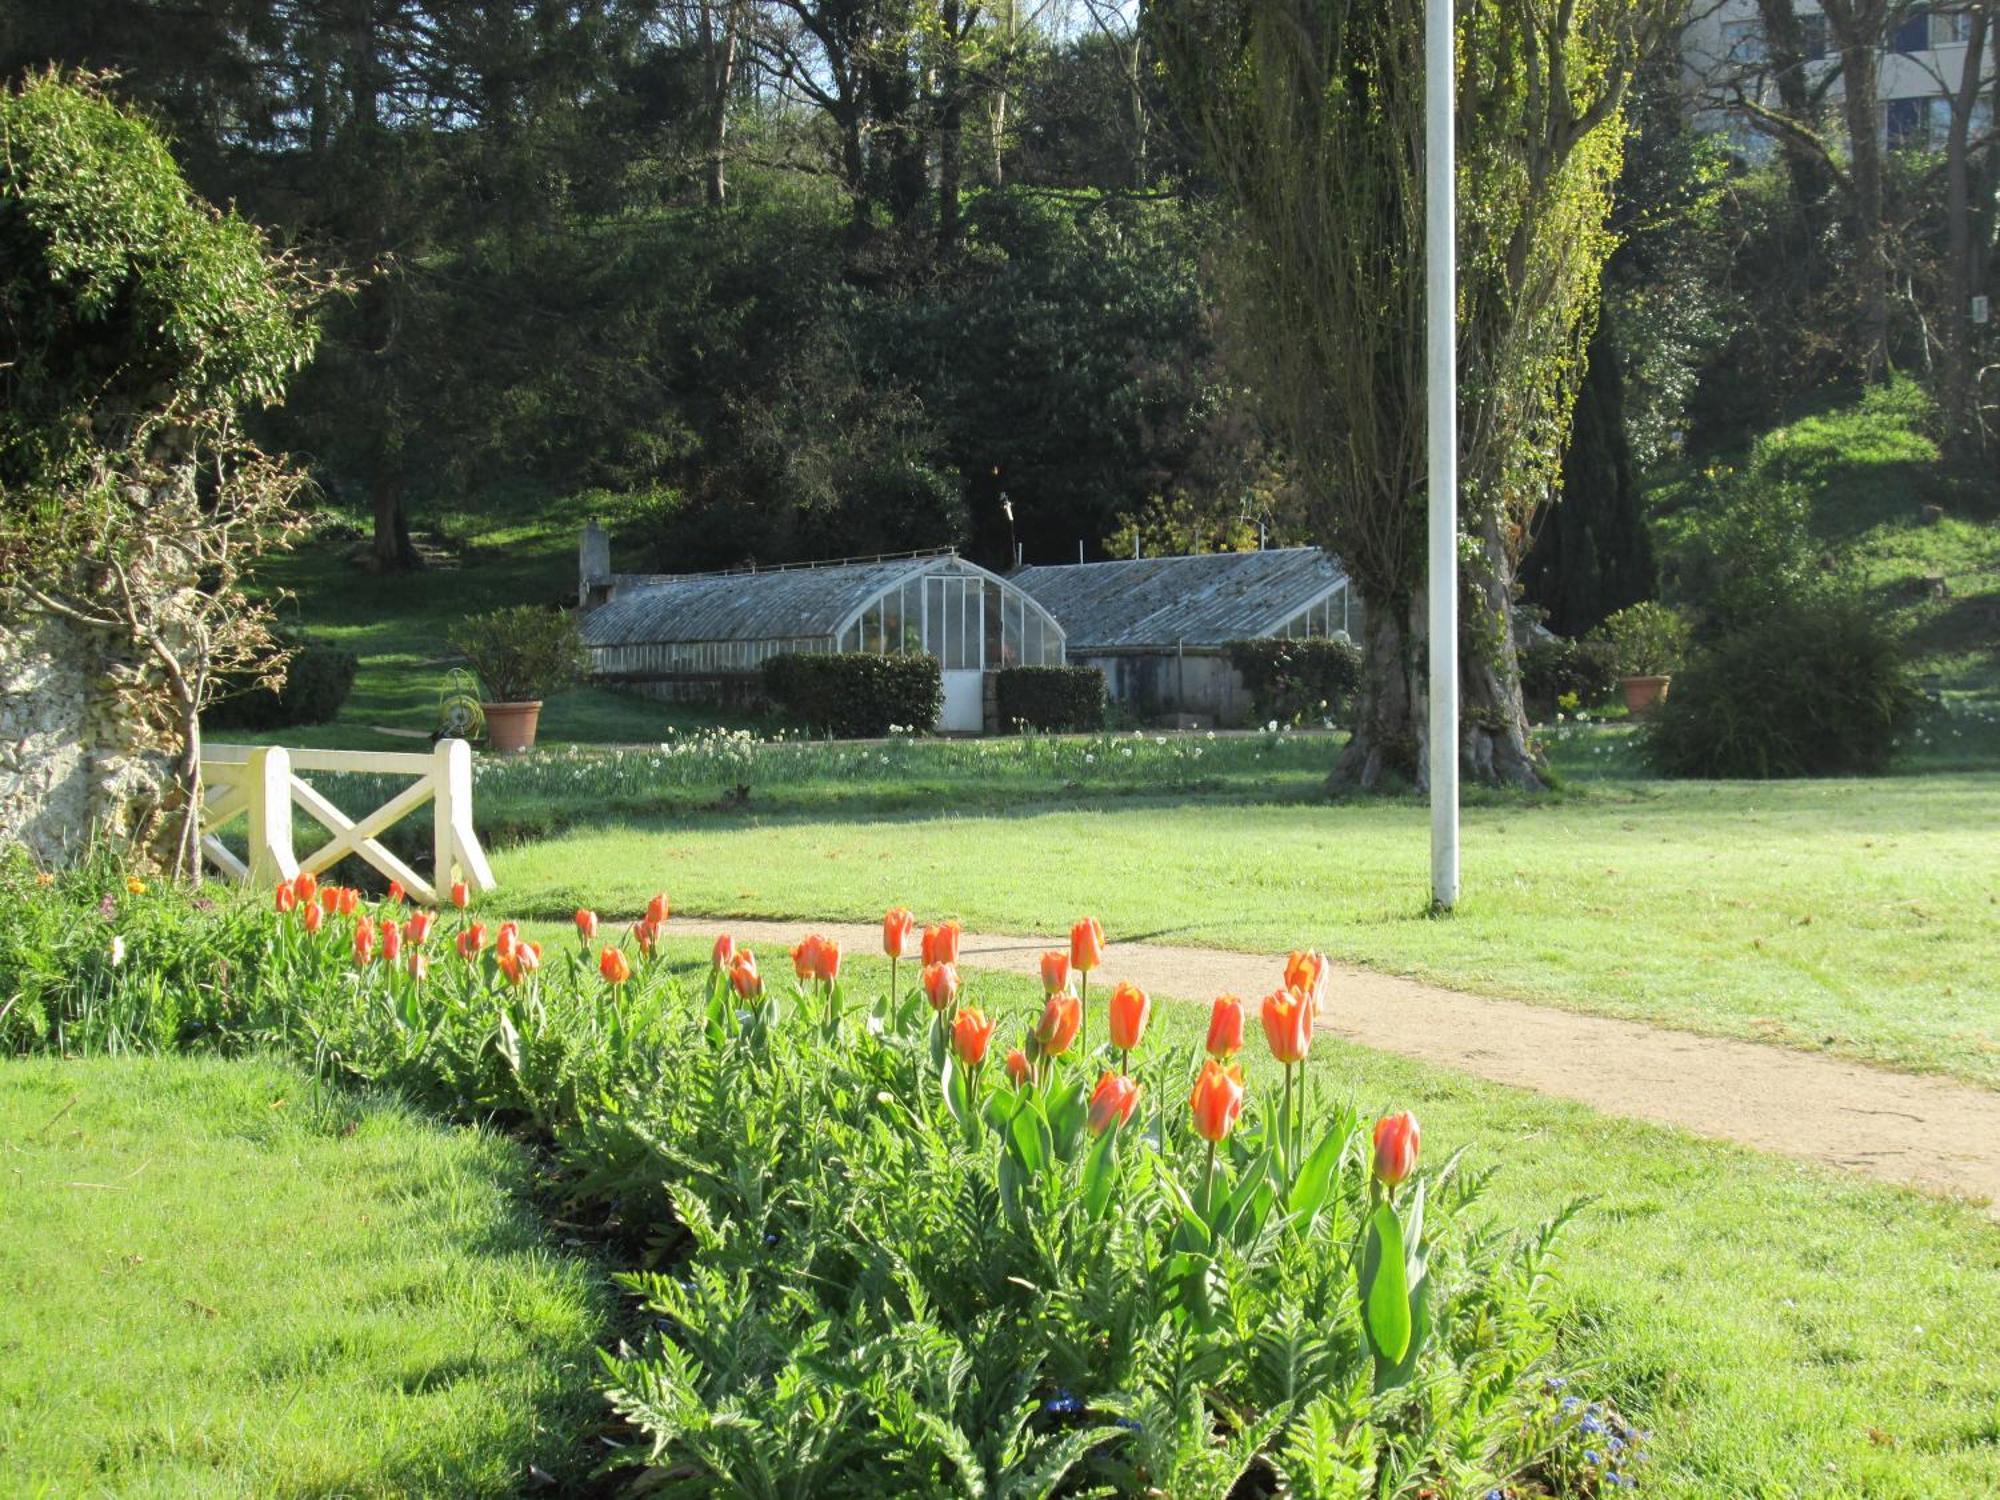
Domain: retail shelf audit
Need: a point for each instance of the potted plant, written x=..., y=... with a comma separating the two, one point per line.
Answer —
x=1648, y=641
x=521, y=656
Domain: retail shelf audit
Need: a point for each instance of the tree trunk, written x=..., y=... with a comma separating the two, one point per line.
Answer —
x=1962, y=428
x=1785, y=44
x=951, y=128
x=721, y=80
x=393, y=551
x=1858, y=27
x=1391, y=740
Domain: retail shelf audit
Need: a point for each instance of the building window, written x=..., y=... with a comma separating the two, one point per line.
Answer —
x=1812, y=31
x=1743, y=42
x=1913, y=32
x=1906, y=121
x=1950, y=28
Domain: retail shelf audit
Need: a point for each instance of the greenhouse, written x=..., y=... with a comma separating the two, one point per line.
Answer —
x=1159, y=627
x=706, y=634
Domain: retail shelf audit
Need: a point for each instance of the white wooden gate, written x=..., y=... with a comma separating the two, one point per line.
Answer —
x=261, y=783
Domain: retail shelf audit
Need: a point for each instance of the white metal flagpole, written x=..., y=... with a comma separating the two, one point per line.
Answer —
x=1441, y=392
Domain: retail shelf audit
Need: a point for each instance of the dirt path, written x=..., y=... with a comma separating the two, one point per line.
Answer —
x=1931, y=1133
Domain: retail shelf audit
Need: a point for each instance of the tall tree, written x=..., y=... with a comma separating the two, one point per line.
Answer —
x=1312, y=115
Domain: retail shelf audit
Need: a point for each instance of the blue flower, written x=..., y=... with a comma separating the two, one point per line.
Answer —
x=1063, y=1404
x=1592, y=1426
x=1571, y=1403
x=1590, y=1457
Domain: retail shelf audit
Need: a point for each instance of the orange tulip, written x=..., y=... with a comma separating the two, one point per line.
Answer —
x=1061, y=1018
x=350, y=899
x=471, y=941
x=1217, y=1100
x=1288, y=1020
x=646, y=935
x=286, y=899
x=1055, y=971
x=1309, y=973
x=743, y=975
x=656, y=910
x=899, y=926
x=941, y=943
x=805, y=957
x=461, y=894
x=941, y=984
x=1395, y=1148
x=522, y=963
x=304, y=884
x=418, y=928
x=329, y=899
x=505, y=941
x=1018, y=1066
x=364, y=944
x=312, y=916
x=724, y=951
x=1225, y=1027
x=614, y=965
x=1112, y=1102
x=1131, y=1007
x=826, y=961
x=392, y=941
x=396, y=893
x=1086, y=944
x=586, y=924
x=420, y=964
x=970, y=1034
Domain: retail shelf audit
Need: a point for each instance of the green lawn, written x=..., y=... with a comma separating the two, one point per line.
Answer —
x=215, y=1285
x=1861, y=916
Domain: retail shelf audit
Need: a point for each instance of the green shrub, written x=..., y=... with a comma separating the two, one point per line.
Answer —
x=1746, y=549
x=855, y=695
x=1552, y=670
x=1647, y=640
x=1056, y=699
x=1818, y=688
x=318, y=679
x=1296, y=681
x=522, y=654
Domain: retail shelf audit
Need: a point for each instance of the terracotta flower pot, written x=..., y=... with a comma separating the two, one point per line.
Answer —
x=510, y=727
x=1644, y=694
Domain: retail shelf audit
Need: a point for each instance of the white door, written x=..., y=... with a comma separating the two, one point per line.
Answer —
x=964, y=707
x=954, y=632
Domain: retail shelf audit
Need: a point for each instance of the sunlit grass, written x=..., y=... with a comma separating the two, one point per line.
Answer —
x=219, y=1282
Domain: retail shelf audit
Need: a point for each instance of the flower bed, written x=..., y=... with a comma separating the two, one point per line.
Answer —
x=887, y=1250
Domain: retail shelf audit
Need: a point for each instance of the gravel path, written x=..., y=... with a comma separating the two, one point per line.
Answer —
x=1931, y=1133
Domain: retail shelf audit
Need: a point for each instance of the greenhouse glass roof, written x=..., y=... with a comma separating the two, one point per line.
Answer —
x=1158, y=603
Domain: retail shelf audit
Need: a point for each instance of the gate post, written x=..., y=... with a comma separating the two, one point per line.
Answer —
x=267, y=792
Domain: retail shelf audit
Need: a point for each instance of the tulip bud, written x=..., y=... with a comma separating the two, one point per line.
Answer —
x=826, y=960
x=418, y=928
x=312, y=916
x=1086, y=944
x=1217, y=1100
x=471, y=941
x=805, y=958
x=1130, y=1009
x=461, y=894
x=743, y=975
x=586, y=924
x=1395, y=1148
x=1112, y=1102
x=420, y=964
x=1061, y=1019
x=1288, y=1022
x=1225, y=1027
x=970, y=1034
x=941, y=985
x=392, y=941
x=1018, y=1066
x=614, y=965
x=506, y=941
x=364, y=944
x=899, y=926
x=396, y=893
x=724, y=951
x=286, y=899
x=1055, y=971
x=656, y=910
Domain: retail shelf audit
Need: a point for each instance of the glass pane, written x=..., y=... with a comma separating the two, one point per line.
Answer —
x=849, y=640
x=968, y=598
x=954, y=625
x=892, y=623
x=934, y=618
x=1010, y=635
x=995, y=614
x=1031, y=642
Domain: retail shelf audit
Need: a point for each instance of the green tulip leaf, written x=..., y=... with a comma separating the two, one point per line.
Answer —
x=1069, y=1109
x=1100, y=1173
x=1028, y=1135
x=1315, y=1177
x=1388, y=1374
x=1385, y=1287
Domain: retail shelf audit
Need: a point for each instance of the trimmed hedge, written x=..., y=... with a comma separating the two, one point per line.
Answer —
x=1057, y=699
x=1551, y=670
x=317, y=682
x=1292, y=681
x=853, y=695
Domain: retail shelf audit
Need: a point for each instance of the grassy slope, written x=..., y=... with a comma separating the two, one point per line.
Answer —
x=215, y=1286
x=1862, y=916
x=1782, y=1329
x=523, y=552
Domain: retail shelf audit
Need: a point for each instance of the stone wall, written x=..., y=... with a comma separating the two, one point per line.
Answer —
x=77, y=760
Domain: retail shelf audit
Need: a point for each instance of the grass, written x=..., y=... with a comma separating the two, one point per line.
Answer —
x=218, y=1285
x=1860, y=916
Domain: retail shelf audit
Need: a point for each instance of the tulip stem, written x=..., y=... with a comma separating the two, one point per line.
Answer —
x=1285, y=1151
x=1083, y=1014
x=895, y=997
x=1124, y=1060
x=1208, y=1186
